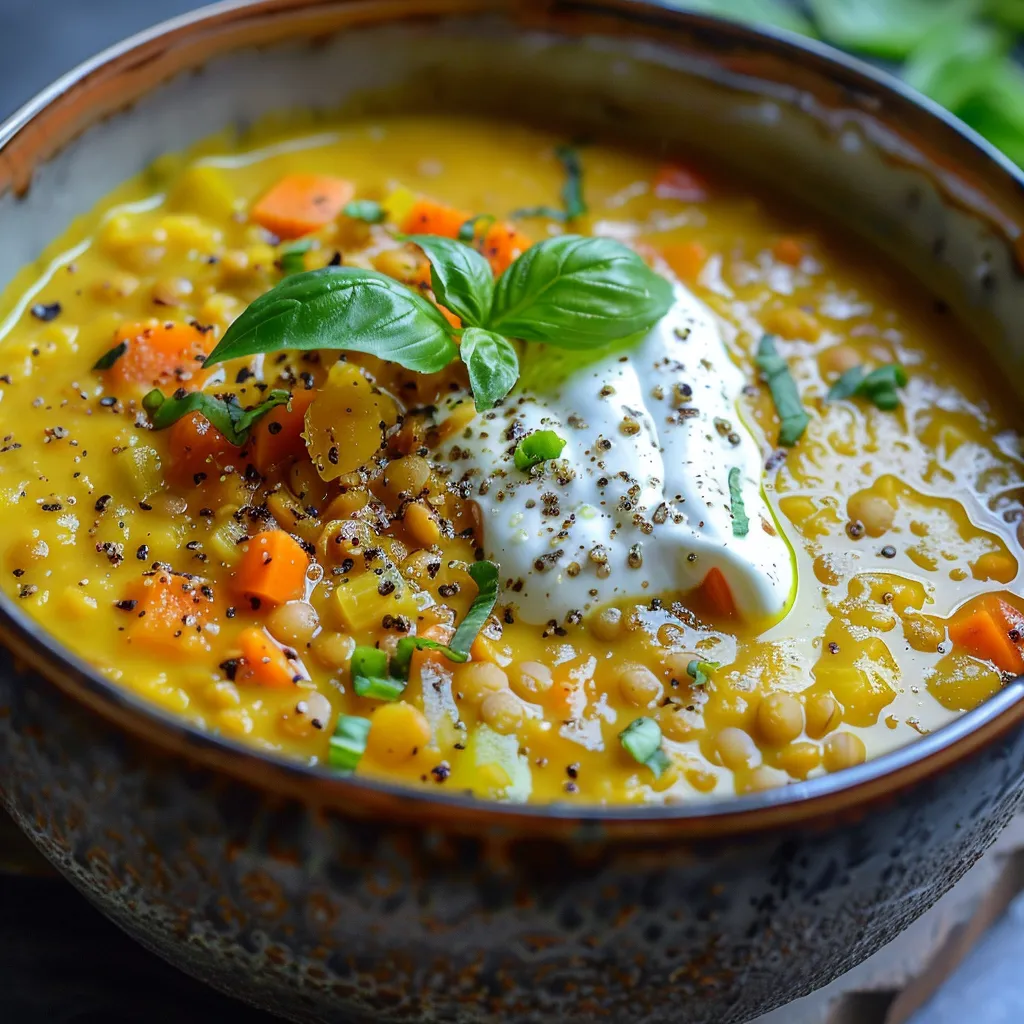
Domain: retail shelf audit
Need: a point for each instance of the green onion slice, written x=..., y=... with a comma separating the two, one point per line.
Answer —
x=879, y=386
x=793, y=416
x=700, y=671
x=348, y=743
x=366, y=210
x=293, y=256
x=538, y=447
x=107, y=360
x=370, y=677
x=641, y=739
x=740, y=522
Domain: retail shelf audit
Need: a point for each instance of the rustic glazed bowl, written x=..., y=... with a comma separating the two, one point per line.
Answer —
x=330, y=899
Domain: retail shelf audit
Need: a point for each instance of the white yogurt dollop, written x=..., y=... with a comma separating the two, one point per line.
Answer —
x=638, y=505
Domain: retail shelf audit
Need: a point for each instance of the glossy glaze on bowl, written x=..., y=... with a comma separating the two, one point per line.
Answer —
x=329, y=899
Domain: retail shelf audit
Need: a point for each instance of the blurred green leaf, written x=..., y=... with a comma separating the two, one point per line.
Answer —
x=1009, y=13
x=776, y=13
x=997, y=112
x=956, y=62
x=886, y=28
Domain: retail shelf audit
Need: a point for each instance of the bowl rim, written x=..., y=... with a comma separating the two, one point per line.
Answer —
x=879, y=778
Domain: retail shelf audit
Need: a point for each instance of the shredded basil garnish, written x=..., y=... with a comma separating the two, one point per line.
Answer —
x=366, y=210
x=485, y=576
x=348, y=743
x=574, y=205
x=642, y=740
x=740, y=522
x=879, y=386
x=107, y=360
x=540, y=446
x=226, y=414
x=793, y=416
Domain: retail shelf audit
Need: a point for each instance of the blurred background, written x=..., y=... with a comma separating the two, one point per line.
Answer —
x=60, y=963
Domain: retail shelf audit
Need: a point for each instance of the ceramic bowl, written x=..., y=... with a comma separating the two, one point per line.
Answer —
x=335, y=899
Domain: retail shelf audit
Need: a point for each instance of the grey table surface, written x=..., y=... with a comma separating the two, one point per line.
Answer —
x=60, y=962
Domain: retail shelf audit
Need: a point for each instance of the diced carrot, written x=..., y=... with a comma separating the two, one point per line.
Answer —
x=788, y=250
x=717, y=594
x=278, y=435
x=686, y=259
x=502, y=245
x=302, y=203
x=427, y=217
x=272, y=568
x=984, y=630
x=165, y=355
x=450, y=317
x=673, y=181
x=197, y=450
x=166, y=611
x=263, y=662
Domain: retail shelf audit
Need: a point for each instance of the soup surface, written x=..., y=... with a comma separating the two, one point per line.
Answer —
x=713, y=577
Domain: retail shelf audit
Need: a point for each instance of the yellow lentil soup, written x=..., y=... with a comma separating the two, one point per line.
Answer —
x=763, y=534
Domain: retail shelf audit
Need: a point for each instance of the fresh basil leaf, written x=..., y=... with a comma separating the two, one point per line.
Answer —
x=485, y=575
x=366, y=210
x=641, y=739
x=401, y=660
x=578, y=292
x=740, y=522
x=344, y=308
x=107, y=360
x=493, y=365
x=348, y=744
x=461, y=278
x=477, y=225
x=540, y=446
x=885, y=28
x=792, y=415
x=293, y=256
x=701, y=671
x=957, y=62
x=225, y=414
x=760, y=12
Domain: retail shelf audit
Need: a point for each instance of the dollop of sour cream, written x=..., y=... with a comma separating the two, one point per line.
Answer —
x=638, y=505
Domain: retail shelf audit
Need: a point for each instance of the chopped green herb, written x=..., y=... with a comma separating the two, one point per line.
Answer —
x=641, y=739
x=879, y=386
x=540, y=446
x=370, y=677
x=485, y=575
x=348, y=743
x=226, y=414
x=401, y=660
x=701, y=671
x=793, y=416
x=293, y=256
x=740, y=522
x=475, y=226
x=574, y=205
x=366, y=210
x=107, y=360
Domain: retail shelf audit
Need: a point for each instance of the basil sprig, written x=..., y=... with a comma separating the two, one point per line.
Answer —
x=879, y=386
x=225, y=413
x=569, y=291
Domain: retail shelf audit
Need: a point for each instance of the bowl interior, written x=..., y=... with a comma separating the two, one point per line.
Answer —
x=824, y=129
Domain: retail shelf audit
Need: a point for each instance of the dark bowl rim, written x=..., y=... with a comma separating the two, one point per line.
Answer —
x=877, y=778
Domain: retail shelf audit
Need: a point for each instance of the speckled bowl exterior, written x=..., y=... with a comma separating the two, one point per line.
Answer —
x=333, y=899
